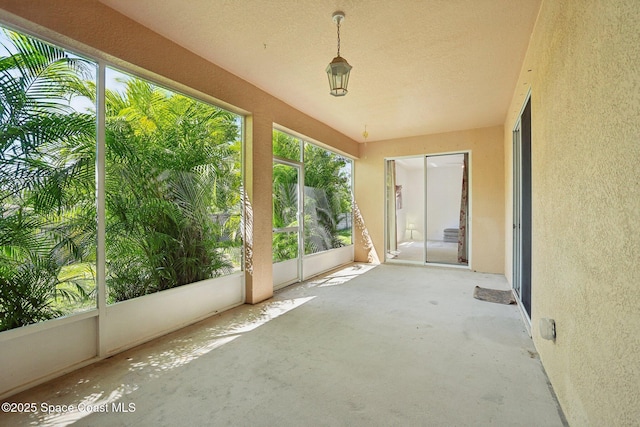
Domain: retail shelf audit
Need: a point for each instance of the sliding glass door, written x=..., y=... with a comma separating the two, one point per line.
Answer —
x=446, y=207
x=287, y=232
x=427, y=199
x=522, y=208
x=405, y=210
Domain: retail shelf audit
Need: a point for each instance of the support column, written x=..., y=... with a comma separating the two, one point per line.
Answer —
x=258, y=208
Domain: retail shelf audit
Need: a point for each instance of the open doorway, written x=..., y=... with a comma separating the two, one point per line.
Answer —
x=287, y=231
x=427, y=209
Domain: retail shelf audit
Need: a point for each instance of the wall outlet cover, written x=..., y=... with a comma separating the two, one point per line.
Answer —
x=548, y=329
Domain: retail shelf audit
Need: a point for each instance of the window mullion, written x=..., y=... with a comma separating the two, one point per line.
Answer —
x=100, y=209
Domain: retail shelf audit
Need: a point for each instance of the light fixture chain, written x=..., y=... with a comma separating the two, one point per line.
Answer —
x=338, y=37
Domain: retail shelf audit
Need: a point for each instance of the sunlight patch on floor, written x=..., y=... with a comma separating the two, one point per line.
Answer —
x=185, y=350
x=173, y=354
x=342, y=276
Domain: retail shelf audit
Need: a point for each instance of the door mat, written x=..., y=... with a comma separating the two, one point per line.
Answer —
x=494, y=295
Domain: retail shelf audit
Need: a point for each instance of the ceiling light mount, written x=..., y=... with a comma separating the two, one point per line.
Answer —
x=338, y=70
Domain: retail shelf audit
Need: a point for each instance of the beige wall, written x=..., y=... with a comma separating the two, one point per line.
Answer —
x=585, y=92
x=92, y=28
x=487, y=190
x=585, y=83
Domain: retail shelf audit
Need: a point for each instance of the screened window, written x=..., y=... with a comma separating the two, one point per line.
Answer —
x=327, y=197
x=287, y=146
x=172, y=191
x=173, y=183
x=47, y=181
x=327, y=200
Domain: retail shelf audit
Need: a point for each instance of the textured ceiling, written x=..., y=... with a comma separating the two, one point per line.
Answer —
x=419, y=66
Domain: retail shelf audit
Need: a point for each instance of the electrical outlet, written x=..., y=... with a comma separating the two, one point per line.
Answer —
x=548, y=329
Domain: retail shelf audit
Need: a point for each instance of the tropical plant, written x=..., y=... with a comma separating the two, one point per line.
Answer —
x=285, y=211
x=47, y=214
x=327, y=197
x=286, y=146
x=172, y=190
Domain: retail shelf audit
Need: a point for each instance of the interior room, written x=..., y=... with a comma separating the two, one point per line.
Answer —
x=427, y=211
x=250, y=208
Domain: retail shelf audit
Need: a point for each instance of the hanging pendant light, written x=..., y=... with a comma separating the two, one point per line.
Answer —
x=338, y=70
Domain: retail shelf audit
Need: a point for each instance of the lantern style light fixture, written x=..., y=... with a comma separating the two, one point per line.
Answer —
x=338, y=70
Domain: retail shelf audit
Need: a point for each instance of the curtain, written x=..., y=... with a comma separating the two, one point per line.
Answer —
x=464, y=203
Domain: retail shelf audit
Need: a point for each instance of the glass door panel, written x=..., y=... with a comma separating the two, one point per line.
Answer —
x=287, y=234
x=522, y=208
x=405, y=210
x=446, y=207
x=427, y=202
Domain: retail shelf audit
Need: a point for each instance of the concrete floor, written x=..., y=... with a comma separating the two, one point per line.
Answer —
x=365, y=346
x=437, y=251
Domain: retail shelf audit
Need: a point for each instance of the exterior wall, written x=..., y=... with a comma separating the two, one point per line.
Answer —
x=585, y=93
x=93, y=28
x=487, y=190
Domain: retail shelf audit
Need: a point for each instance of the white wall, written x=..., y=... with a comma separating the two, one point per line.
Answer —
x=444, y=187
x=36, y=353
x=412, y=181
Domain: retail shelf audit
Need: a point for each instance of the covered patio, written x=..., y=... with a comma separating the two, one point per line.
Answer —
x=365, y=345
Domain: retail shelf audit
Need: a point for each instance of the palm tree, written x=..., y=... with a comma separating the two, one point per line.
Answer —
x=327, y=198
x=47, y=214
x=285, y=211
x=172, y=190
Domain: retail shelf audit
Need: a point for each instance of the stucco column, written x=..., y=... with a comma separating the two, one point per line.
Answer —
x=258, y=209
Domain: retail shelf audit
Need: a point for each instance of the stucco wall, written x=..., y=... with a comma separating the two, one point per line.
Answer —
x=584, y=59
x=487, y=187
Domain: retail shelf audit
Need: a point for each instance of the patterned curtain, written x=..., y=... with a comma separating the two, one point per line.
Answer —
x=464, y=202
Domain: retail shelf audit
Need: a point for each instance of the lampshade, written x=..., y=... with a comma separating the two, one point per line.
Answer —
x=338, y=73
x=338, y=70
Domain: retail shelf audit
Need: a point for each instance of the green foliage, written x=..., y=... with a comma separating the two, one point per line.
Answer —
x=286, y=146
x=285, y=199
x=327, y=197
x=285, y=246
x=46, y=173
x=285, y=196
x=31, y=292
x=173, y=187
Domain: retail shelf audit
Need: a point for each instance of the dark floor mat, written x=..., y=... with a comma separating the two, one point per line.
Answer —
x=494, y=295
